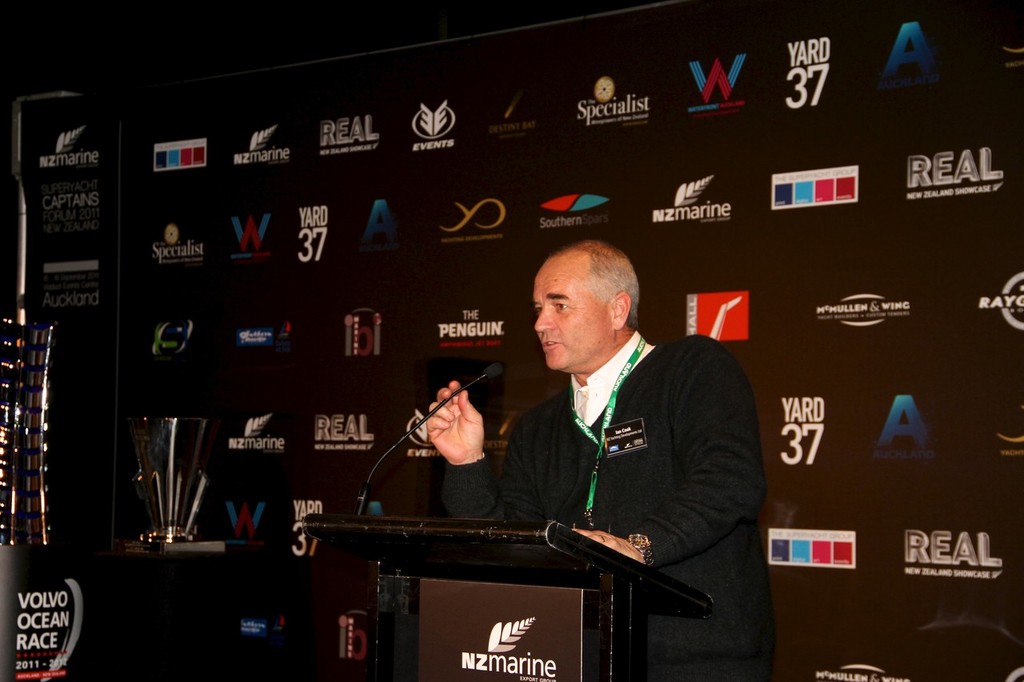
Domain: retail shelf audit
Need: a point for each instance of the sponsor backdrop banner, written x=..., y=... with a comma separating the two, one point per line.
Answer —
x=308, y=253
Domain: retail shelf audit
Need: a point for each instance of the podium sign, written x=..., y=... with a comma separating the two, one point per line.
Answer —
x=517, y=632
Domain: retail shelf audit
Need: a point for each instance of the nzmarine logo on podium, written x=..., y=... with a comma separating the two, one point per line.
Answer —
x=532, y=632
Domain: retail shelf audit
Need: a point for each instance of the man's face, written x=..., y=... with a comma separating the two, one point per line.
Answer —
x=577, y=331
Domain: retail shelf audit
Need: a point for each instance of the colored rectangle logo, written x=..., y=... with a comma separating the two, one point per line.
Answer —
x=179, y=155
x=815, y=548
x=821, y=187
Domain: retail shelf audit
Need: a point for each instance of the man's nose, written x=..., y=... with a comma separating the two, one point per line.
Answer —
x=542, y=322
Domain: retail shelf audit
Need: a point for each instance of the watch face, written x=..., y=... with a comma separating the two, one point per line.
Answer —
x=642, y=544
x=604, y=89
x=171, y=234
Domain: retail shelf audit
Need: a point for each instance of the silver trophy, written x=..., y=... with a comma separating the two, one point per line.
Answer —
x=10, y=370
x=173, y=453
x=25, y=360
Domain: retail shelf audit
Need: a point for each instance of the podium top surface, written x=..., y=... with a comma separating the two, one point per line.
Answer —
x=545, y=546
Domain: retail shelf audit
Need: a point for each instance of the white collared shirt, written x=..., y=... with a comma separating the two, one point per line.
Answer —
x=594, y=396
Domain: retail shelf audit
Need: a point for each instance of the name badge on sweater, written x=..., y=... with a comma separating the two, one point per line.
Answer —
x=622, y=438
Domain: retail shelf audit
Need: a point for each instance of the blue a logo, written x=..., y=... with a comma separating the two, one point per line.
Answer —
x=904, y=421
x=380, y=223
x=910, y=47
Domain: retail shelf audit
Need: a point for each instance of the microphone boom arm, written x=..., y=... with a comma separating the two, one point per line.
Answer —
x=492, y=370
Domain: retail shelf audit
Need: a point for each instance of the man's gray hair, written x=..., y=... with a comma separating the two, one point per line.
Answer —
x=611, y=272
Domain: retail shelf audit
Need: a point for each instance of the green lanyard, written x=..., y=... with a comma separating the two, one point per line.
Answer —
x=608, y=412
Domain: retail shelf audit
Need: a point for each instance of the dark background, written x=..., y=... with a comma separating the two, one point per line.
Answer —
x=82, y=49
x=954, y=360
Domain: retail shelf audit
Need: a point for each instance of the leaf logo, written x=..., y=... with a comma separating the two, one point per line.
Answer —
x=433, y=124
x=504, y=635
x=66, y=141
x=255, y=425
x=260, y=138
x=689, y=192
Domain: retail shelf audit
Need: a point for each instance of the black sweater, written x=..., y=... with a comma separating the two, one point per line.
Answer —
x=695, y=490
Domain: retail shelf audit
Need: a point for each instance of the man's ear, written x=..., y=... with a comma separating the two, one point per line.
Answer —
x=621, y=305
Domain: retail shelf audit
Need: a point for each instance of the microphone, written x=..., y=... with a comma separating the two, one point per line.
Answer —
x=492, y=370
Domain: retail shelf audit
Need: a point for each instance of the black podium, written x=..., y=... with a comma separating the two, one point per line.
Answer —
x=449, y=598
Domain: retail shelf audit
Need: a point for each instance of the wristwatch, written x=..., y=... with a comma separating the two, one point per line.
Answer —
x=642, y=544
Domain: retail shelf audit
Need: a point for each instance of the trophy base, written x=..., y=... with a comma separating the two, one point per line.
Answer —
x=172, y=548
